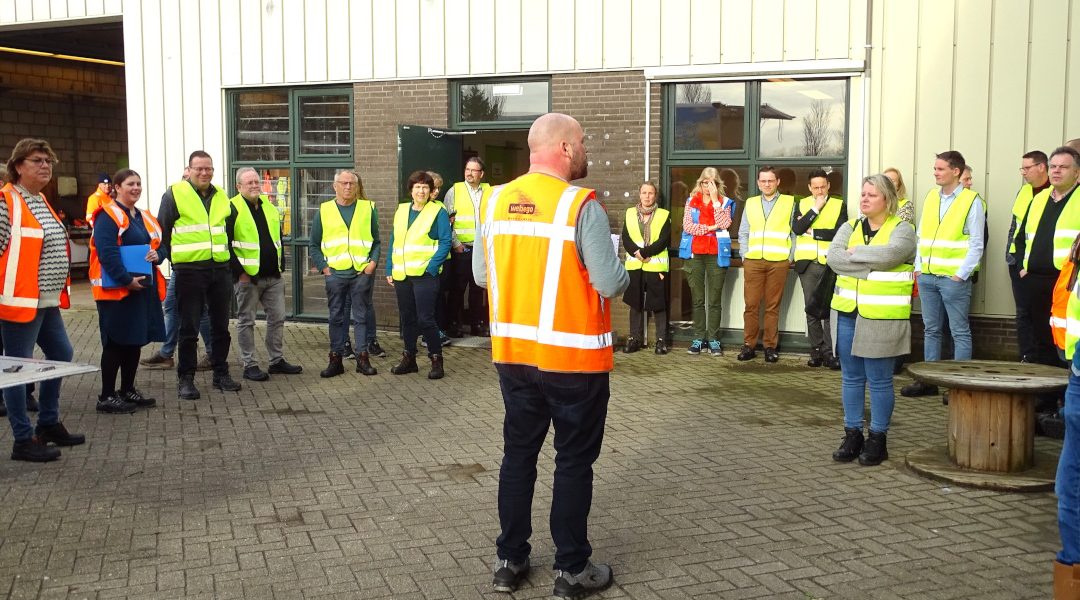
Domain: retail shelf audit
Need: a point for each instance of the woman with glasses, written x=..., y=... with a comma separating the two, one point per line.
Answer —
x=34, y=265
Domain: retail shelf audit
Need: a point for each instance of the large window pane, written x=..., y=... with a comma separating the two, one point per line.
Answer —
x=313, y=285
x=316, y=187
x=509, y=101
x=325, y=125
x=709, y=116
x=803, y=118
x=262, y=126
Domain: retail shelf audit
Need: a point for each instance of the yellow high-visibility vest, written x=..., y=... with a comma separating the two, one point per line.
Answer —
x=196, y=234
x=770, y=238
x=245, y=242
x=346, y=245
x=806, y=247
x=883, y=294
x=943, y=243
x=657, y=263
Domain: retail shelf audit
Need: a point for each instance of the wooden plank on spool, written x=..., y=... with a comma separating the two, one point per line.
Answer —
x=962, y=425
x=1023, y=432
x=979, y=424
x=1000, y=437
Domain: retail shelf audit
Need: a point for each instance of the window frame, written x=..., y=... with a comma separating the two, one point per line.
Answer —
x=454, y=94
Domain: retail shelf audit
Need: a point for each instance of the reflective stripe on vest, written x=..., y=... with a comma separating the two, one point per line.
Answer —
x=413, y=247
x=806, y=247
x=19, y=265
x=657, y=263
x=1072, y=322
x=1066, y=228
x=465, y=211
x=943, y=245
x=883, y=294
x=245, y=243
x=196, y=235
x=544, y=311
x=1020, y=209
x=120, y=216
x=346, y=246
x=770, y=238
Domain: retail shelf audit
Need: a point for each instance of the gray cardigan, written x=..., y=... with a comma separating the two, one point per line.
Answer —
x=874, y=338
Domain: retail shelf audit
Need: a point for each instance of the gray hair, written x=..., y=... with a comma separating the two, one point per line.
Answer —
x=240, y=172
x=885, y=187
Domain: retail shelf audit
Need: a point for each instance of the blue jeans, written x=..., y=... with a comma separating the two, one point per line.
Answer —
x=577, y=405
x=858, y=373
x=48, y=333
x=172, y=324
x=942, y=296
x=371, y=331
x=347, y=301
x=1068, y=474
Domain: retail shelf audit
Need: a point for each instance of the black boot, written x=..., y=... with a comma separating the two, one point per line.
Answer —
x=815, y=358
x=363, y=364
x=632, y=345
x=34, y=450
x=830, y=360
x=407, y=365
x=335, y=367
x=186, y=388
x=851, y=446
x=225, y=383
x=874, y=451
x=436, y=371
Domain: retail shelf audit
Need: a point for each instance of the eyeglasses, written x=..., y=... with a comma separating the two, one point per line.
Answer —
x=42, y=162
x=1029, y=167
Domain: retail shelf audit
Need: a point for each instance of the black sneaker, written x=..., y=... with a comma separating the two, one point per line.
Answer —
x=348, y=352
x=509, y=575
x=590, y=580
x=918, y=388
x=771, y=355
x=284, y=367
x=747, y=353
x=226, y=383
x=34, y=450
x=113, y=404
x=186, y=390
x=254, y=373
x=135, y=397
x=374, y=349
x=59, y=435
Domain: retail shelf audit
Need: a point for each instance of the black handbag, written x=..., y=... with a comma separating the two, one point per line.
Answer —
x=818, y=304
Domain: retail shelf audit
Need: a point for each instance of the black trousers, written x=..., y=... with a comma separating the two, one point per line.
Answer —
x=194, y=288
x=463, y=283
x=1040, y=294
x=1025, y=335
x=416, y=297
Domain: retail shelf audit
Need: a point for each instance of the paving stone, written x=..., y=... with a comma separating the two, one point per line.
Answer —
x=715, y=481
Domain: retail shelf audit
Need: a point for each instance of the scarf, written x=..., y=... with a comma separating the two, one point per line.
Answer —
x=644, y=217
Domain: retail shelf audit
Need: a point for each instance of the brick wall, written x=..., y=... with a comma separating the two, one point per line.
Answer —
x=611, y=109
x=79, y=108
x=379, y=108
x=992, y=338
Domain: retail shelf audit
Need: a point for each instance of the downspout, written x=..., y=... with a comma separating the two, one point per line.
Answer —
x=648, y=131
x=867, y=48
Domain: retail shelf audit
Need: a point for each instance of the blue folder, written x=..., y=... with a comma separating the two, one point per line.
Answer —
x=134, y=259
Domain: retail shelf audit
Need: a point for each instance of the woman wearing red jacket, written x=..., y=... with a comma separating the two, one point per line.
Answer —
x=706, y=220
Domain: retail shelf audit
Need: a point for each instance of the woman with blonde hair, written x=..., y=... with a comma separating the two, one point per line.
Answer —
x=706, y=221
x=907, y=207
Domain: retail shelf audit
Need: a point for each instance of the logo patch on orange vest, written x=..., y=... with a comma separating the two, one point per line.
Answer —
x=522, y=208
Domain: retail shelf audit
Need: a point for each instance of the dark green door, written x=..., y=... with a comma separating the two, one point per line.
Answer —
x=428, y=149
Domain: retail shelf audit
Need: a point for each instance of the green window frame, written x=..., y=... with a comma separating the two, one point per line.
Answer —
x=295, y=165
x=455, y=95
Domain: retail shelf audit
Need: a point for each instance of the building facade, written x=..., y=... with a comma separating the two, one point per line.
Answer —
x=301, y=88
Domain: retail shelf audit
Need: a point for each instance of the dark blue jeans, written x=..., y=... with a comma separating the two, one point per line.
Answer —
x=577, y=405
x=1068, y=474
x=347, y=300
x=416, y=298
x=48, y=333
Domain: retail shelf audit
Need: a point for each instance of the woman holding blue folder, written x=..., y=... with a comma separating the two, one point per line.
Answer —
x=128, y=288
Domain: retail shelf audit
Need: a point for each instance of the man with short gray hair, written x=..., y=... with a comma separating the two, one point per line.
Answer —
x=257, y=263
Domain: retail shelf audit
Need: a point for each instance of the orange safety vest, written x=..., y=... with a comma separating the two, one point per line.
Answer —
x=544, y=311
x=120, y=217
x=1059, y=310
x=94, y=202
x=19, y=290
